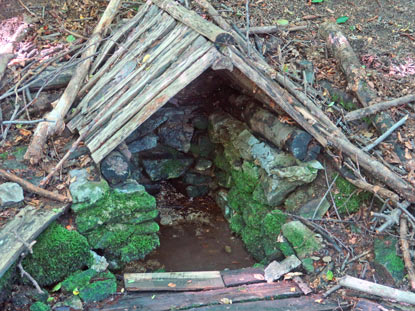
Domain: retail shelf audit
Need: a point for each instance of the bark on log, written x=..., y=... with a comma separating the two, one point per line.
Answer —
x=46, y=129
x=196, y=22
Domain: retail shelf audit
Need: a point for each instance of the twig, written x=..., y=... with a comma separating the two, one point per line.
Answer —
x=377, y=289
x=331, y=290
x=372, y=109
x=74, y=33
x=391, y=219
x=331, y=196
x=16, y=108
x=324, y=196
x=357, y=257
x=24, y=273
x=247, y=28
x=263, y=30
x=28, y=246
x=32, y=188
x=386, y=134
x=405, y=251
x=26, y=122
x=26, y=8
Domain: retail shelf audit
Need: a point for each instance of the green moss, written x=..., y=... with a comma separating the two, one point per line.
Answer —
x=247, y=178
x=285, y=248
x=78, y=280
x=39, y=306
x=112, y=207
x=6, y=282
x=57, y=253
x=253, y=239
x=301, y=238
x=348, y=200
x=385, y=254
x=273, y=222
x=308, y=265
x=219, y=159
x=254, y=213
x=138, y=247
x=237, y=223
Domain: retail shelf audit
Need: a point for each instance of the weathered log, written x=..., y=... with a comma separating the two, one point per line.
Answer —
x=377, y=289
x=168, y=85
x=45, y=129
x=288, y=137
x=53, y=78
x=263, y=30
x=196, y=22
x=363, y=112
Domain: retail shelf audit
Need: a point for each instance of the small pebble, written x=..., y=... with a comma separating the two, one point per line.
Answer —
x=228, y=249
x=327, y=259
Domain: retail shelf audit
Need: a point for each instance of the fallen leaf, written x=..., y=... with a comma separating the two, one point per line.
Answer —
x=259, y=276
x=225, y=301
x=292, y=289
x=171, y=285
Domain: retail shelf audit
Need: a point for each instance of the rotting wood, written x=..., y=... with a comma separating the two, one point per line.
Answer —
x=151, y=38
x=377, y=289
x=28, y=224
x=375, y=108
x=162, y=23
x=170, y=84
x=196, y=22
x=185, y=300
x=34, y=189
x=364, y=304
x=243, y=276
x=156, y=64
x=113, y=39
x=44, y=130
x=323, y=131
x=173, y=281
x=263, y=30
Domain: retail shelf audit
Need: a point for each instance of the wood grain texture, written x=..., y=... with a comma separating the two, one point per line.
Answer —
x=28, y=224
x=173, y=281
x=243, y=276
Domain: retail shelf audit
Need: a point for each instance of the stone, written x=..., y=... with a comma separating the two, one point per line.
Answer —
x=298, y=198
x=176, y=134
x=73, y=303
x=143, y=143
x=99, y=290
x=84, y=191
x=200, y=122
x=310, y=210
x=197, y=191
x=275, y=269
x=221, y=198
x=203, y=164
x=385, y=255
x=223, y=178
x=11, y=194
x=301, y=238
x=129, y=186
x=275, y=189
x=203, y=146
x=115, y=168
x=196, y=179
x=164, y=163
x=99, y=263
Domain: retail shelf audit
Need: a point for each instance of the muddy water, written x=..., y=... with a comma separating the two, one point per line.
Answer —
x=194, y=236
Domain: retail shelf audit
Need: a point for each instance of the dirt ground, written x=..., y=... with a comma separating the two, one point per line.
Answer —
x=381, y=32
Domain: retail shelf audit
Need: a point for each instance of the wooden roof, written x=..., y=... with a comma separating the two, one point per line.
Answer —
x=167, y=47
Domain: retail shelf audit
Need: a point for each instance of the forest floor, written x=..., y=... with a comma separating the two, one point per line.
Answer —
x=381, y=32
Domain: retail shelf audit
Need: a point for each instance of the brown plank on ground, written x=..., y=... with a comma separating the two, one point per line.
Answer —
x=25, y=226
x=368, y=305
x=184, y=300
x=243, y=276
x=173, y=281
x=306, y=303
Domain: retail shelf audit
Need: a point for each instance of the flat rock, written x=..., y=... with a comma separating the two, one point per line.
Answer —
x=301, y=238
x=143, y=143
x=314, y=209
x=196, y=191
x=176, y=134
x=11, y=194
x=275, y=269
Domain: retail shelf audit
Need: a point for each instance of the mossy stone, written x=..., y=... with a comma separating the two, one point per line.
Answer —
x=138, y=247
x=237, y=223
x=39, y=306
x=273, y=222
x=253, y=239
x=385, y=255
x=104, y=286
x=308, y=264
x=301, y=238
x=112, y=207
x=78, y=280
x=6, y=282
x=57, y=253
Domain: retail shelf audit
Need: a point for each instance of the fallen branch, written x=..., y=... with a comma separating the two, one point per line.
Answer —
x=391, y=219
x=26, y=274
x=363, y=112
x=386, y=134
x=47, y=129
x=405, y=251
x=377, y=289
x=263, y=30
x=32, y=188
x=26, y=122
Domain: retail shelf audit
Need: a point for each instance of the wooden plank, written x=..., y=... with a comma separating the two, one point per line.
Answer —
x=166, y=86
x=243, y=276
x=27, y=224
x=173, y=281
x=368, y=305
x=196, y=22
x=306, y=303
x=184, y=300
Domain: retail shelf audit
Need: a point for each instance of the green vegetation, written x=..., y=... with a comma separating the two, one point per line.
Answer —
x=39, y=306
x=348, y=199
x=57, y=253
x=385, y=254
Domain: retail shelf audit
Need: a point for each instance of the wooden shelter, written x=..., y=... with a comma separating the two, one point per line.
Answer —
x=164, y=48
